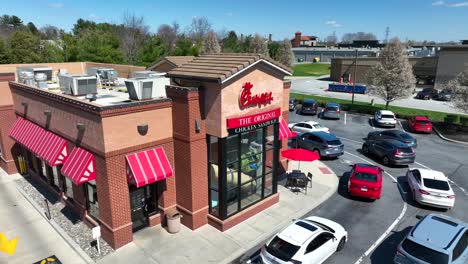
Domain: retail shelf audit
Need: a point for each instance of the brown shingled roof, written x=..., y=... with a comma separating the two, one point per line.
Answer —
x=177, y=61
x=219, y=67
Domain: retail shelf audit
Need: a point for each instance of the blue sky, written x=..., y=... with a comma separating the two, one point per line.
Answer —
x=412, y=19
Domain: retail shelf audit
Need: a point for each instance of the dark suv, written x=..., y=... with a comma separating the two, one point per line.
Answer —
x=325, y=144
x=309, y=106
x=390, y=151
x=394, y=134
x=293, y=103
x=427, y=93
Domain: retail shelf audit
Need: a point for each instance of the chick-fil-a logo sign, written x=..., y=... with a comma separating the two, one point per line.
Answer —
x=247, y=99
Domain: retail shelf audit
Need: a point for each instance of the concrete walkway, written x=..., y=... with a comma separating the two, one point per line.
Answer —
x=208, y=245
x=37, y=239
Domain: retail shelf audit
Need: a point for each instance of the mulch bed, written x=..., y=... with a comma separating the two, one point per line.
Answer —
x=452, y=131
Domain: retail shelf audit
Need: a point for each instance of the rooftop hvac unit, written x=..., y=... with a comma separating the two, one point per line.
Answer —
x=78, y=84
x=147, y=74
x=146, y=88
x=20, y=71
x=106, y=75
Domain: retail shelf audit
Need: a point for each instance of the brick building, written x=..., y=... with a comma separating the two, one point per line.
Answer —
x=303, y=41
x=210, y=149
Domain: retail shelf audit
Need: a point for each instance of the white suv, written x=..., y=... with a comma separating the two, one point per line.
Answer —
x=311, y=240
x=385, y=118
x=431, y=188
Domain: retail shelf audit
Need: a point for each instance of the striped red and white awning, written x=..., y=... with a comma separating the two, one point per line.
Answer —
x=44, y=144
x=284, y=131
x=148, y=166
x=80, y=166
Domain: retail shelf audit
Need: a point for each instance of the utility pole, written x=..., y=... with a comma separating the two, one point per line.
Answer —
x=387, y=33
x=354, y=76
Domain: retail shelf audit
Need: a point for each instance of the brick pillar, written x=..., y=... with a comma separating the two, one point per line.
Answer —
x=167, y=188
x=283, y=163
x=114, y=200
x=7, y=119
x=190, y=154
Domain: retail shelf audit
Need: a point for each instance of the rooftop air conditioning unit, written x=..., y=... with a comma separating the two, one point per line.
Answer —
x=146, y=88
x=78, y=84
x=147, y=74
x=20, y=71
x=107, y=76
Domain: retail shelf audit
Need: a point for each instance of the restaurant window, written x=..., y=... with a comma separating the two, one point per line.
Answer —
x=242, y=169
x=91, y=199
x=44, y=170
x=55, y=177
x=152, y=199
x=67, y=187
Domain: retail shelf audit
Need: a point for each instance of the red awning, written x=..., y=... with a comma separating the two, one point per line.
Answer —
x=80, y=167
x=148, y=166
x=53, y=149
x=284, y=131
x=46, y=145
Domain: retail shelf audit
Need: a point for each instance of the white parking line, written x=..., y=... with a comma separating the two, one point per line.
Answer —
x=372, y=122
x=345, y=118
x=392, y=226
x=352, y=140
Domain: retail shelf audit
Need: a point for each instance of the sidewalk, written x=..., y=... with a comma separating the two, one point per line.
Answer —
x=208, y=245
x=37, y=239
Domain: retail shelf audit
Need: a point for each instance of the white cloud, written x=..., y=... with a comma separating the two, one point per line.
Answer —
x=461, y=4
x=56, y=5
x=94, y=17
x=333, y=23
x=442, y=3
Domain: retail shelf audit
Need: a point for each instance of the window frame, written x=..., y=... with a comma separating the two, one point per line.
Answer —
x=463, y=239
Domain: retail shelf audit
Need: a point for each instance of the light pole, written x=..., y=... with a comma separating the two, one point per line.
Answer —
x=354, y=76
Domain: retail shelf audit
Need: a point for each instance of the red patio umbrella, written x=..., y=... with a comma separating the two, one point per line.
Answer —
x=299, y=154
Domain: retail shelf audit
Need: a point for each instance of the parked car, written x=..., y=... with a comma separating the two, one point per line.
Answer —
x=365, y=181
x=309, y=106
x=444, y=95
x=311, y=240
x=427, y=93
x=436, y=238
x=385, y=118
x=420, y=124
x=308, y=126
x=331, y=111
x=325, y=144
x=394, y=134
x=293, y=102
x=431, y=188
x=390, y=151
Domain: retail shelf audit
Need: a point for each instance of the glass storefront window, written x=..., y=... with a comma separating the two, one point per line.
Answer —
x=92, y=199
x=55, y=176
x=68, y=187
x=242, y=173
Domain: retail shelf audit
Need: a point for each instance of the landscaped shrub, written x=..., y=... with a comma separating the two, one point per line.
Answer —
x=464, y=120
x=452, y=119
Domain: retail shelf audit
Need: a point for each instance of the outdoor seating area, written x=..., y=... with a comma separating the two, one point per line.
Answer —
x=297, y=181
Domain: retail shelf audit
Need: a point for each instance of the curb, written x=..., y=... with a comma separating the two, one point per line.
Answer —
x=328, y=194
x=57, y=228
x=447, y=139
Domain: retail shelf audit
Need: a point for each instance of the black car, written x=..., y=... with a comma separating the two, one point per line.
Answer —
x=394, y=134
x=293, y=103
x=309, y=106
x=427, y=93
x=390, y=151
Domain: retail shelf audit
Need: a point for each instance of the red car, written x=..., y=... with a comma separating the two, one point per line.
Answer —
x=365, y=181
x=420, y=124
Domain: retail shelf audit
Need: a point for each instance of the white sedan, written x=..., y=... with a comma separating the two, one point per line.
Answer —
x=308, y=126
x=431, y=188
x=310, y=240
x=385, y=118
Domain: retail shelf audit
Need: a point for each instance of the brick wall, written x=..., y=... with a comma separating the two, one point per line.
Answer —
x=7, y=119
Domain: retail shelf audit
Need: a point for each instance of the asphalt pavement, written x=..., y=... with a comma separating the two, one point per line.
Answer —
x=377, y=227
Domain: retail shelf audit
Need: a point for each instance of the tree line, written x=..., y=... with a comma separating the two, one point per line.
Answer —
x=127, y=42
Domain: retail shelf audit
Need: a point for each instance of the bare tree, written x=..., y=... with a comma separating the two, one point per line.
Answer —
x=392, y=77
x=258, y=44
x=459, y=87
x=50, y=32
x=331, y=39
x=285, y=53
x=132, y=35
x=210, y=44
x=168, y=34
x=199, y=28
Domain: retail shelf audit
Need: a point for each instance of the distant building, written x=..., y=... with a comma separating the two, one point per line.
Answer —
x=326, y=54
x=452, y=61
x=362, y=44
x=168, y=63
x=464, y=42
x=303, y=41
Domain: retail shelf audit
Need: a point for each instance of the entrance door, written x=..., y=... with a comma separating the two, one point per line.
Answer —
x=137, y=205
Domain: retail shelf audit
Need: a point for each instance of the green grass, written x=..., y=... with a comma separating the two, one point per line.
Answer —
x=311, y=69
x=366, y=108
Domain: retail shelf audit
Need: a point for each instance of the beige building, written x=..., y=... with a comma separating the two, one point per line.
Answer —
x=452, y=61
x=170, y=62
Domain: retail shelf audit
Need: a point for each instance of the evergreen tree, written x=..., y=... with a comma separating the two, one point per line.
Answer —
x=4, y=53
x=153, y=50
x=231, y=43
x=99, y=46
x=185, y=47
x=24, y=47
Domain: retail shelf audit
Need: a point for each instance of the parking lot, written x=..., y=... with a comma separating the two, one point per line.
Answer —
x=376, y=228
